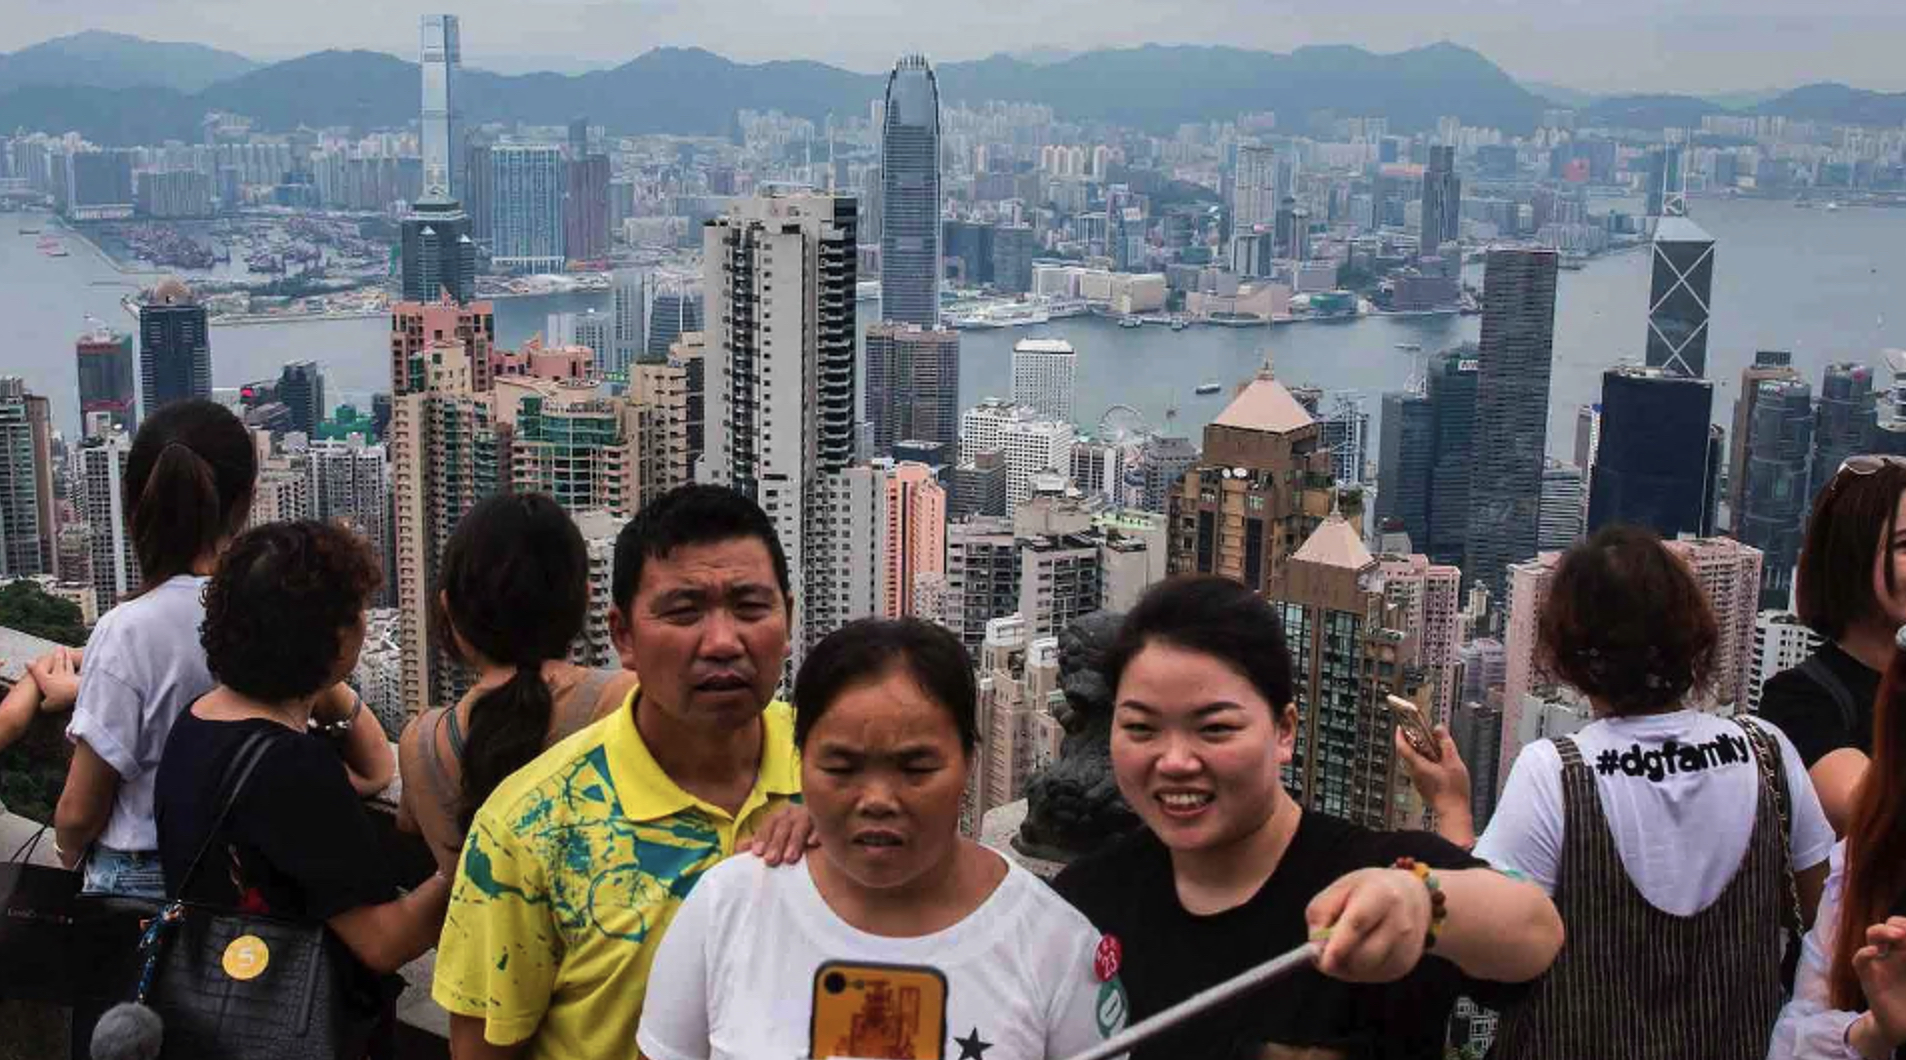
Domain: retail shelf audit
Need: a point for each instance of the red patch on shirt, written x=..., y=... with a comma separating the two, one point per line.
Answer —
x=1107, y=958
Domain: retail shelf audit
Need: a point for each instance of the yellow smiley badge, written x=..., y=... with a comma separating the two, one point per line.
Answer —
x=246, y=958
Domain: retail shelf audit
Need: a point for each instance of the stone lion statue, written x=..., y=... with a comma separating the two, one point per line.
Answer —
x=1073, y=804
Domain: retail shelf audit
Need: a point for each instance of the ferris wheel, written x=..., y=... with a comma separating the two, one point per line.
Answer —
x=1121, y=424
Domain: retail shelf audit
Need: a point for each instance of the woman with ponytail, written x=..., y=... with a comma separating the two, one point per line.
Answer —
x=188, y=488
x=1850, y=996
x=512, y=597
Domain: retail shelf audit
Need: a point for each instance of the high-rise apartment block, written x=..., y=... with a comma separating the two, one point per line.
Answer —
x=850, y=559
x=1254, y=188
x=1031, y=444
x=104, y=358
x=979, y=486
x=527, y=186
x=1781, y=642
x=1678, y=297
x=1349, y=650
x=1516, y=357
x=599, y=531
x=1655, y=466
x=282, y=493
x=1528, y=584
x=915, y=540
x=586, y=208
x=1044, y=377
x=1428, y=599
x=1262, y=488
x=1776, y=495
x=913, y=385
x=658, y=398
x=351, y=484
x=445, y=447
x=570, y=439
x=1729, y=573
x=629, y=307
x=175, y=351
x=28, y=530
x=115, y=567
x=301, y=389
x=1563, y=510
x=780, y=360
x=910, y=196
x=415, y=327
x=1018, y=678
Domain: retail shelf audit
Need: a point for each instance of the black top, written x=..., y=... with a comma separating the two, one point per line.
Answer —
x=1807, y=713
x=297, y=843
x=1127, y=891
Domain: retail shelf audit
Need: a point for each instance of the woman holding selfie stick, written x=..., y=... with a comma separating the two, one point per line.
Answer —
x=1230, y=871
x=1683, y=848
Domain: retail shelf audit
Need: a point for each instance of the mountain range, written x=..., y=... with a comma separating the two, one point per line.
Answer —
x=115, y=89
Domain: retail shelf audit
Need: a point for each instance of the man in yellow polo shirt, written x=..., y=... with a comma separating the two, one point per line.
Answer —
x=576, y=864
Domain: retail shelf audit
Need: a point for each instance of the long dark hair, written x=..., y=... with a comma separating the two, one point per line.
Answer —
x=1875, y=838
x=188, y=486
x=1851, y=524
x=515, y=587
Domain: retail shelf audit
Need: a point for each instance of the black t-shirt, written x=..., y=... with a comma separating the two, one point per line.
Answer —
x=1169, y=954
x=297, y=843
x=1807, y=713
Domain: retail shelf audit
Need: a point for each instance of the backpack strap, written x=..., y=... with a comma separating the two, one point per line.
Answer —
x=1821, y=674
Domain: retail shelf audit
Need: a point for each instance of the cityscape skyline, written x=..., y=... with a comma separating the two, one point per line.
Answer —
x=1848, y=43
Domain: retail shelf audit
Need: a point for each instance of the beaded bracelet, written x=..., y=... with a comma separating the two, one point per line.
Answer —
x=1439, y=902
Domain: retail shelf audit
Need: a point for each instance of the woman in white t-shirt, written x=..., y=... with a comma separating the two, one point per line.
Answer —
x=1683, y=848
x=885, y=719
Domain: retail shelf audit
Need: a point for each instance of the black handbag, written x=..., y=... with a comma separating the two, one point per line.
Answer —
x=235, y=986
x=36, y=921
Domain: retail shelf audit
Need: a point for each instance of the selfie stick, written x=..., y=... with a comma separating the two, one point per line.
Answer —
x=1146, y=1030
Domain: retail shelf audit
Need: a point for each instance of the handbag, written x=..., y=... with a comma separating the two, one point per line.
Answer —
x=236, y=986
x=1774, y=778
x=58, y=946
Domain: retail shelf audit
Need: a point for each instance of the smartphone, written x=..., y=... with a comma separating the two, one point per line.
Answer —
x=1409, y=718
x=877, y=1012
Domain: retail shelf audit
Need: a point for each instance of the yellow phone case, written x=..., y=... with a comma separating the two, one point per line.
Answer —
x=877, y=1012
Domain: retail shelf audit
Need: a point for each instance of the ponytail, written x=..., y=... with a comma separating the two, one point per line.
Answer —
x=188, y=487
x=508, y=725
x=513, y=588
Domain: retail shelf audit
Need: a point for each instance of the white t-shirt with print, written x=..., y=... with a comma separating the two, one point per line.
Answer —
x=1679, y=793
x=734, y=977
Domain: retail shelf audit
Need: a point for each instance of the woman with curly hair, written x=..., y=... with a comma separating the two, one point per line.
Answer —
x=284, y=622
x=1683, y=848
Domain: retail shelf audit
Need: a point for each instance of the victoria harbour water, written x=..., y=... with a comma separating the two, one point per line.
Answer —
x=1828, y=285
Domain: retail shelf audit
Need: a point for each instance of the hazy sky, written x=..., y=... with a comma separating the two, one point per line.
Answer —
x=1597, y=45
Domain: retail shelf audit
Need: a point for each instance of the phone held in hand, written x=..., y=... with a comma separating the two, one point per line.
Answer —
x=877, y=1012
x=1409, y=718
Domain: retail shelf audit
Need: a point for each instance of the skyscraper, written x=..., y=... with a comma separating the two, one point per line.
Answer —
x=104, y=357
x=586, y=208
x=1348, y=651
x=1262, y=486
x=1729, y=575
x=630, y=307
x=1562, y=508
x=438, y=252
x=1404, y=456
x=351, y=484
x=1254, y=188
x=1452, y=386
x=913, y=386
x=415, y=326
x=1768, y=364
x=1775, y=494
x=1442, y=200
x=1666, y=192
x=779, y=402
x=1516, y=357
x=1781, y=642
x=1652, y=468
x=301, y=388
x=569, y=439
x=1678, y=297
x=1044, y=371
x=910, y=196
x=28, y=531
x=658, y=396
x=115, y=566
x=915, y=545
x=526, y=210
x=442, y=120
x=1845, y=419
x=175, y=351
x=677, y=310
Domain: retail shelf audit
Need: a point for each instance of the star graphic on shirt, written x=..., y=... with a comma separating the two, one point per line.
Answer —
x=971, y=1048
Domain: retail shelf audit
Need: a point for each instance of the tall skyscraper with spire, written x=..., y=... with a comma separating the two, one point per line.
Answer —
x=439, y=255
x=1678, y=298
x=910, y=196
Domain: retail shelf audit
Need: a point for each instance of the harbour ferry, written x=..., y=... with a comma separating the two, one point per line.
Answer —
x=1130, y=322
x=1206, y=389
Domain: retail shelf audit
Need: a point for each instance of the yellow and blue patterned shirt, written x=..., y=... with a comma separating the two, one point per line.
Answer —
x=572, y=871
